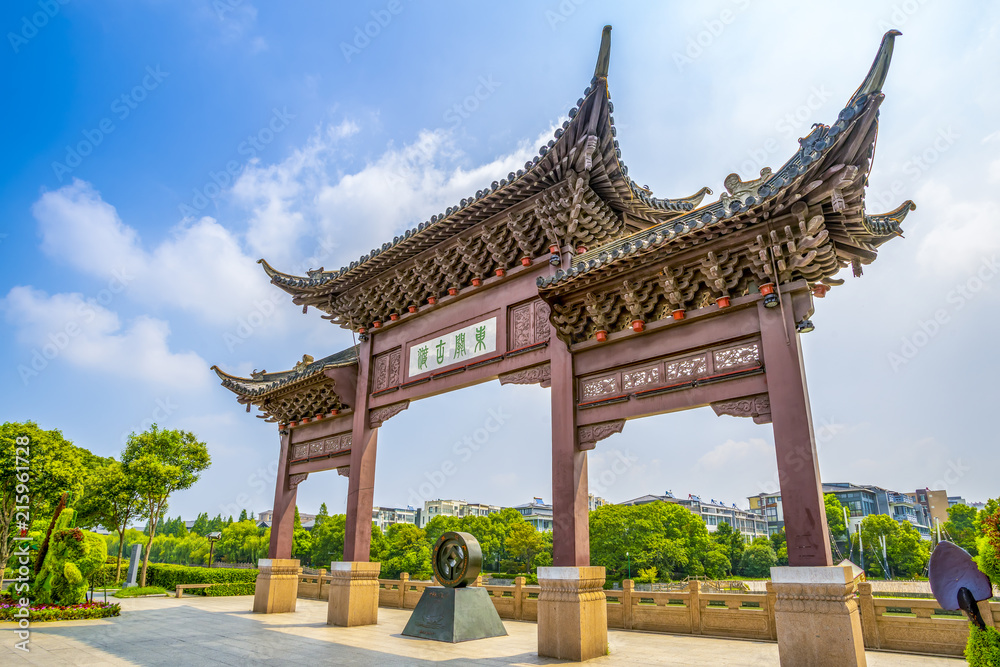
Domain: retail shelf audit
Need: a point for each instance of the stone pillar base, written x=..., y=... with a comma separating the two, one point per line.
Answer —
x=353, y=593
x=816, y=617
x=572, y=613
x=277, y=586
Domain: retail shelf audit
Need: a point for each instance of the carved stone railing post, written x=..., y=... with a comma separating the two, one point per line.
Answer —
x=626, y=600
x=519, y=598
x=277, y=585
x=404, y=583
x=816, y=616
x=869, y=620
x=694, y=606
x=572, y=613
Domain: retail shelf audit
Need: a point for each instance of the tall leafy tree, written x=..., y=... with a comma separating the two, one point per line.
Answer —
x=907, y=552
x=322, y=515
x=988, y=542
x=116, y=502
x=328, y=541
x=961, y=525
x=162, y=462
x=524, y=542
x=301, y=540
x=731, y=541
x=200, y=525
x=36, y=468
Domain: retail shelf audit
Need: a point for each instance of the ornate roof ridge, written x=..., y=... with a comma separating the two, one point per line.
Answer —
x=636, y=196
x=743, y=195
x=263, y=382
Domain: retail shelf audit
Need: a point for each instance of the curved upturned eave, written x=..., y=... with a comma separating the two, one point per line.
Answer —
x=856, y=119
x=592, y=116
x=271, y=382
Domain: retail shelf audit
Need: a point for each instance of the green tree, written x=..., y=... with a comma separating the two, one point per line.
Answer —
x=321, y=516
x=200, y=525
x=242, y=542
x=780, y=546
x=116, y=502
x=301, y=540
x=162, y=462
x=731, y=541
x=988, y=542
x=328, y=541
x=907, y=552
x=523, y=543
x=757, y=560
x=717, y=564
x=36, y=468
x=243, y=515
x=961, y=526
x=407, y=549
x=659, y=534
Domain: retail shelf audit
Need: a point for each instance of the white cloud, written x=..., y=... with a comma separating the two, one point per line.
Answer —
x=962, y=232
x=732, y=452
x=87, y=335
x=201, y=268
x=308, y=193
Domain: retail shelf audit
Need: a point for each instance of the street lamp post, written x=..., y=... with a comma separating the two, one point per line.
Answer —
x=629, y=558
x=212, y=538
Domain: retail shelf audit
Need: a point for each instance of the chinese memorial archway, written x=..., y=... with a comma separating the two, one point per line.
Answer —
x=568, y=274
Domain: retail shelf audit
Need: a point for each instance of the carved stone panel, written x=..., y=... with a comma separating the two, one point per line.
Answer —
x=758, y=407
x=691, y=367
x=295, y=480
x=587, y=437
x=379, y=415
x=597, y=387
x=747, y=354
x=385, y=370
x=529, y=324
x=534, y=375
x=641, y=377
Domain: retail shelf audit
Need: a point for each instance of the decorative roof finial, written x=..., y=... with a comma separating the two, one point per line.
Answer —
x=604, y=56
x=879, y=69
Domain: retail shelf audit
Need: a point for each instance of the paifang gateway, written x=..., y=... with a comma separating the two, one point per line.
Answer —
x=569, y=275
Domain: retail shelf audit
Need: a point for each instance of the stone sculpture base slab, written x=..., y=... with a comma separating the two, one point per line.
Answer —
x=277, y=586
x=454, y=615
x=353, y=593
x=572, y=613
x=816, y=617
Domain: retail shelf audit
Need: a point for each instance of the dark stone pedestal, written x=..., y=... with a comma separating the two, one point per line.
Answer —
x=454, y=615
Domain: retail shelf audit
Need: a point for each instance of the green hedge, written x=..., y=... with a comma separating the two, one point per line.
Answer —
x=52, y=612
x=230, y=589
x=168, y=576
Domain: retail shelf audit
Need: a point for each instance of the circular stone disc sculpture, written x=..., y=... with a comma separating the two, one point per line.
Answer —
x=457, y=559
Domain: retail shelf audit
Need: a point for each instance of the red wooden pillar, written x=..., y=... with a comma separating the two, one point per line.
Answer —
x=283, y=514
x=361, y=484
x=794, y=440
x=570, y=508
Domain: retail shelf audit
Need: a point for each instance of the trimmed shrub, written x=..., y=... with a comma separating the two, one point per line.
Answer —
x=53, y=612
x=137, y=591
x=168, y=576
x=983, y=648
x=229, y=589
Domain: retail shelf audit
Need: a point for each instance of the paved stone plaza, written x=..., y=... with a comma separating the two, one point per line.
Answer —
x=222, y=631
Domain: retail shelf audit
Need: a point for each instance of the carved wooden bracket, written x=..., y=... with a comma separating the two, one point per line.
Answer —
x=344, y=471
x=534, y=375
x=383, y=414
x=295, y=480
x=588, y=436
x=758, y=407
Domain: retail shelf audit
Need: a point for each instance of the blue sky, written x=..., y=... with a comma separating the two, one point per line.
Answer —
x=155, y=150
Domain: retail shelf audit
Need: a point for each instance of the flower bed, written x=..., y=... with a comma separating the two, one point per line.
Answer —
x=55, y=612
